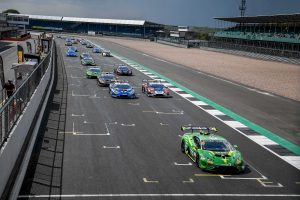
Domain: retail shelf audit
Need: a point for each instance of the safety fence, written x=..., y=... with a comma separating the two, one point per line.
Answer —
x=14, y=106
x=232, y=46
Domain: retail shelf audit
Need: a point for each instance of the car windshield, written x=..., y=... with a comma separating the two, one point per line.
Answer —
x=94, y=70
x=123, y=67
x=71, y=51
x=123, y=87
x=108, y=76
x=87, y=59
x=157, y=86
x=215, y=145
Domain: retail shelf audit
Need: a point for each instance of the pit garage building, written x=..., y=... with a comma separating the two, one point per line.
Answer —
x=121, y=27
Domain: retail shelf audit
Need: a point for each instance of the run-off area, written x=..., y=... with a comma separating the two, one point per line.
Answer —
x=132, y=146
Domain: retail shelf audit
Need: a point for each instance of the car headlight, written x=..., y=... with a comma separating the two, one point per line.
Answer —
x=238, y=160
x=131, y=91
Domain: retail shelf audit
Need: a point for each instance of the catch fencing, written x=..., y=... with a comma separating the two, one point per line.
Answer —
x=12, y=108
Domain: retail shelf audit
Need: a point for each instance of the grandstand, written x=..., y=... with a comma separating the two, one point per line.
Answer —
x=277, y=35
x=132, y=28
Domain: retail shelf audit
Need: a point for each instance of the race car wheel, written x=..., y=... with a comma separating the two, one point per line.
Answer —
x=198, y=161
x=183, y=147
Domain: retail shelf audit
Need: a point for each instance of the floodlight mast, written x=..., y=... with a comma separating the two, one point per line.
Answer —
x=243, y=7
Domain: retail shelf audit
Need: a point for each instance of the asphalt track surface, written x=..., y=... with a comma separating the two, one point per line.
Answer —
x=93, y=146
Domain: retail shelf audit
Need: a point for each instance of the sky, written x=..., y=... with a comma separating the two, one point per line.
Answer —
x=172, y=12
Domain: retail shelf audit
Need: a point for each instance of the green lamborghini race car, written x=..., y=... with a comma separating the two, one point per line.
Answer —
x=210, y=151
x=93, y=72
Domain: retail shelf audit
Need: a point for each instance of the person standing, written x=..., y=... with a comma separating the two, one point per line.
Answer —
x=10, y=88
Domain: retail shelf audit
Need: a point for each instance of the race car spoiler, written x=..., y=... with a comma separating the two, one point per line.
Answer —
x=199, y=128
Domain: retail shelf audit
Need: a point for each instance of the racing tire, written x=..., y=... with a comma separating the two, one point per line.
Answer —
x=183, y=147
x=197, y=161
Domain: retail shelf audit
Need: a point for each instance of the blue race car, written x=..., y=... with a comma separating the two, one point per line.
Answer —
x=97, y=50
x=71, y=53
x=121, y=89
x=72, y=48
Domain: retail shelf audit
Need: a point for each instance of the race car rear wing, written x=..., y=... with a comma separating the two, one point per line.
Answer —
x=205, y=130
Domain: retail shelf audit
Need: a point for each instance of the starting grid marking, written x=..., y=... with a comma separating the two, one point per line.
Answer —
x=239, y=127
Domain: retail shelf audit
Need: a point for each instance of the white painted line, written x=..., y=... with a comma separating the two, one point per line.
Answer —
x=142, y=70
x=162, y=124
x=262, y=140
x=173, y=113
x=148, y=181
x=189, y=181
x=130, y=125
x=106, y=147
x=160, y=195
x=176, y=89
x=185, y=95
x=214, y=112
x=86, y=122
x=237, y=178
x=73, y=115
x=199, y=103
x=153, y=77
x=134, y=104
x=235, y=124
x=293, y=160
x=183, y=164
x=269, y=184
x=147, y=73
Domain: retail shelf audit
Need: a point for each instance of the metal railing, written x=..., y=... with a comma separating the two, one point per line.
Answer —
x=14, y=106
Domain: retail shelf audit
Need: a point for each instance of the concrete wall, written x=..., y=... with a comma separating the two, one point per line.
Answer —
x=172, y=44
x=9, y=154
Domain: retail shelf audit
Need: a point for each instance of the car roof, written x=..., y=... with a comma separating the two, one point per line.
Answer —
x=93, y=68
x=208, y=137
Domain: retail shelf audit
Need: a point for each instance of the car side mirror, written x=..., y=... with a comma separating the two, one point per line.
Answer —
x=235, y=146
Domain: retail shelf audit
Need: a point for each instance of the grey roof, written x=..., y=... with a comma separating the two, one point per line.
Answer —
x=57, y=18
x=105, y=21
x=280, y=18
x=91, y=20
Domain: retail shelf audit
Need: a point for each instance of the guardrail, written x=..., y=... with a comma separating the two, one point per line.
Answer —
x=15, y=105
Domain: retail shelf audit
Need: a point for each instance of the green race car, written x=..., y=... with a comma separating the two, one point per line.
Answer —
x=93, y=72
x=210, y=151
x=88, y=61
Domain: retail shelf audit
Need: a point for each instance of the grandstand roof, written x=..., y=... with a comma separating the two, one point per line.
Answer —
x=91, y=20
x=105, y=21
x=281, y=18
